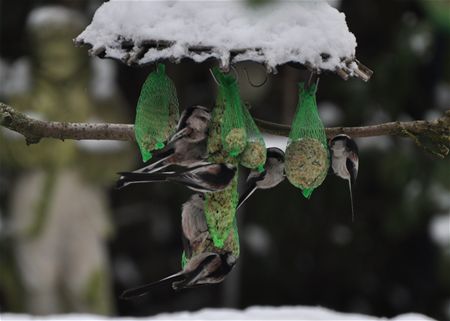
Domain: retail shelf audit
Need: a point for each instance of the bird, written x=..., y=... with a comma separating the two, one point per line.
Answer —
x=205, y=263
x=204, y=268
x=205, y=178
x=193, y=124
x=271, y=176
x=193, y=223
x=188, y=146
x=345, y=160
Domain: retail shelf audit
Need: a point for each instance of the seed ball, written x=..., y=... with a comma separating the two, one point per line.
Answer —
x=254, y=155
x=235, y=141
x=306, y=163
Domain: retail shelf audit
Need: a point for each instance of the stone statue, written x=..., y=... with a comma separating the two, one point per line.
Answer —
x=58, y=205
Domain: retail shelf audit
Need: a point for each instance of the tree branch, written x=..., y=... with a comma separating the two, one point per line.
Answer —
x=437, y=131
x=34, y=129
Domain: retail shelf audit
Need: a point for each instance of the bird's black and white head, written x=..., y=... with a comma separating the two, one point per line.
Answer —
x=273, y=172
x=221, y=174
x=274, y=154
x=199, y=120
x=196, y=201
x=195, y=117
x=344, y=157
x=345, y=160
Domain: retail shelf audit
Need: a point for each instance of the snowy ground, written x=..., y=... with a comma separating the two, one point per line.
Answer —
x=252, y=313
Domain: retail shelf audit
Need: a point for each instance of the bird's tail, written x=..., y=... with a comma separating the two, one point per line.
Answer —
x=244, y=197
x=351, y=198
x=128, y=178
x=158, y=161
x=144, y=289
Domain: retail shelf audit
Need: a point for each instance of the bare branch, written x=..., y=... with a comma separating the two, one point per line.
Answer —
x=436, y=131
x=418, y=127
x=34, y=129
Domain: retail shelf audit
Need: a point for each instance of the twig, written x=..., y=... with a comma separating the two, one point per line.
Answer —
x=34, y=129
x=418, y=127
x=437, y=130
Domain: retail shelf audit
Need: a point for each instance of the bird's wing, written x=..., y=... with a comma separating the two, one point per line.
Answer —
x=157, y=161
x=200, y=272
x=195, y=181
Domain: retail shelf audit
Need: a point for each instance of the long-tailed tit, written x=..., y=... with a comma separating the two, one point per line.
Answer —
x=272, y=175
x=345, y=160
x=193, y=224
x=203, y=178
x=187, y=147
x=205, y=263
x=204, y=268
x=193, y=124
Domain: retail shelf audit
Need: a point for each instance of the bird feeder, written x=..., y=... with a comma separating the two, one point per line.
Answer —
x=306, y=34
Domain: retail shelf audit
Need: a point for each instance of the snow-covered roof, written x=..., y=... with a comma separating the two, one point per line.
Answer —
x=309, y=33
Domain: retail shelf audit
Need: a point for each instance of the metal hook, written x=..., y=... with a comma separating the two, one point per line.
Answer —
x=252, y=84
x=313, y=80
x=235, y=72
x=214, y=77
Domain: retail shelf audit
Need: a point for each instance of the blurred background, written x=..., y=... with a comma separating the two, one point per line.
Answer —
x=69, y=242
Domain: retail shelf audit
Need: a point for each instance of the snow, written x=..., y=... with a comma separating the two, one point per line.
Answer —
x=257, y=240
x=439, y=227
x=330, y=114
x=275, y=141
x=442, y=95
x=101, y=146
x=283, y=31
x=15, y=78
x=253, y=313
x=103, y=83
x=440, y=230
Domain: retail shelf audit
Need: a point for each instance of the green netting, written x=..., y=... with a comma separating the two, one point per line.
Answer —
x=156, y=112
x=231, y=244
x=233, y=124
x=235, y=247
x=254, y=154
x=307, y=159
x=220, y=209
x=184, y=260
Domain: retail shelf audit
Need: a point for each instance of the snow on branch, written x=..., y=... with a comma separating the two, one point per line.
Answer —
x=436, y=131
x=308, y=33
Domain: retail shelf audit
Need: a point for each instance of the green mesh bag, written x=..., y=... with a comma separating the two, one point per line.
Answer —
x=307, y=159
x=234, y=136
x=254, y=154
x=220, y=207
x=220, y=210
x=231, y=244
x=156, y=112
x=184, y=260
